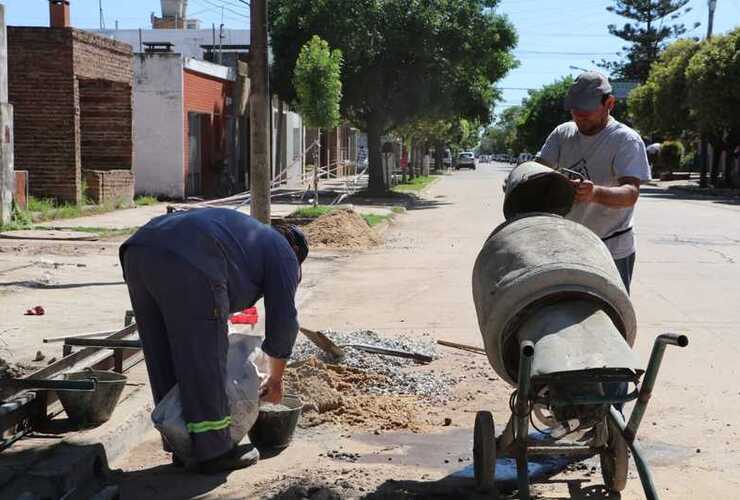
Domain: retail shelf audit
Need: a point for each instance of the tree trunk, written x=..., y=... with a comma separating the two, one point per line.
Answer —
x=376, y=180
x=316, y=171
x=412, y=160
x=728, y=167
x=716, y=156
x=438, y=156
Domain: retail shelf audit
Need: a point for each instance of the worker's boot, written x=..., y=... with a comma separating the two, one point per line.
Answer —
x=239, y=457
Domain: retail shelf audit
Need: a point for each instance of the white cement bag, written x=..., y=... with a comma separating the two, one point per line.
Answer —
x=244, y=371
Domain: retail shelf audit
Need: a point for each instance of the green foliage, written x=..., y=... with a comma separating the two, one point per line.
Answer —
x=46, y=209
x=654, y=22
x=541, y=112
x=714, y=88
x=318, y=83
x=416, y=184
x=375, y=219
x=145, y=201
x=501, y=137
x=671, y=154
x=311, y=212
x=404, y=60
x=660, y=106
x=40, y=204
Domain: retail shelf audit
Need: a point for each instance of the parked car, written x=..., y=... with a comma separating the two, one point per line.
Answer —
x=525, y=157
x=466, y=159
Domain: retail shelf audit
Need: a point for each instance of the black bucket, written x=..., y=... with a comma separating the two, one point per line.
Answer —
x=274, y=428
x=93, y=407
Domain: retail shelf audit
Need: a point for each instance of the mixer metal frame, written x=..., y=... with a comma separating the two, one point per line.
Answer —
x=613, y=437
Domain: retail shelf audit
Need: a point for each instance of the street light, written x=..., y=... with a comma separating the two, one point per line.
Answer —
x=578, y=68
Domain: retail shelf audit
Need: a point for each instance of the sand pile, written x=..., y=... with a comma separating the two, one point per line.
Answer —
x=341, y=228
x=339, y=394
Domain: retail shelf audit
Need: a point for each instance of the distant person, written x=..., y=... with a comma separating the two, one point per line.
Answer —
x=653, y=153
x=185, y=273
x=606, y=161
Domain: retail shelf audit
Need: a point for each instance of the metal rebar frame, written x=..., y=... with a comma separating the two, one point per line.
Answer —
x=21, y=412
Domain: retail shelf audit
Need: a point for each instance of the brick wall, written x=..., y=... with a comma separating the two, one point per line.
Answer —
x=109, y=186
x=42, y=66
x=42, y=91
x=98, y=57
x=106, y=136
x=206, y=95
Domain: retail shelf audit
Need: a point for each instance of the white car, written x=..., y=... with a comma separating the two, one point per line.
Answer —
x=466, y=159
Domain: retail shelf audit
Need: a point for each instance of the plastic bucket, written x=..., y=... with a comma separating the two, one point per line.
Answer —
x=93, y=407
x=274, y=429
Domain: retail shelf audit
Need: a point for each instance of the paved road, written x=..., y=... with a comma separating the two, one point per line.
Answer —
x=687, y=280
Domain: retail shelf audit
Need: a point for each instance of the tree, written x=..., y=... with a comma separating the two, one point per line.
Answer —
x=541, y=112
x=318, y=85
x=501, y=137
x=647, y=34
x=713, y=76
x=404, y=60
x=494, y=140
x=660, y=106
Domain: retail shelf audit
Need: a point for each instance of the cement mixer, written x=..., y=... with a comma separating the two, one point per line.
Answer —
x=558, y=325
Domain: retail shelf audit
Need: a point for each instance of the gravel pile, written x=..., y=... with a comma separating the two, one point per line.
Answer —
x=399, y=377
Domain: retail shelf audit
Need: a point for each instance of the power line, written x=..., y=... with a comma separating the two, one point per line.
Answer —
x=547, y=52
x=222, y=6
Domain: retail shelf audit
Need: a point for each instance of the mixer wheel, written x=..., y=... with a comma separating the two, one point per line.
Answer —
x=484, y=450
x=614, y=460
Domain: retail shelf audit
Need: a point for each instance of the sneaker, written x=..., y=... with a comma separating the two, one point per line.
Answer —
x=239, y=457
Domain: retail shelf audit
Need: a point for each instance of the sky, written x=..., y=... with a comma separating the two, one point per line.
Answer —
x=553, y=34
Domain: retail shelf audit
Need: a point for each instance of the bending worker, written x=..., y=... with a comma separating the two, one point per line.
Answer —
x=609, y=160
x=185, y=273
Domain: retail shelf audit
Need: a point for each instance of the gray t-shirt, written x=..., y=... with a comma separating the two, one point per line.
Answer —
x=617, y=151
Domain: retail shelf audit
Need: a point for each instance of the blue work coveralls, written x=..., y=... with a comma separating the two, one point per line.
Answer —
x=185, y=273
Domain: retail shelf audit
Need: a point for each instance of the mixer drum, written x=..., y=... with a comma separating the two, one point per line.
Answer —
x=532, y=262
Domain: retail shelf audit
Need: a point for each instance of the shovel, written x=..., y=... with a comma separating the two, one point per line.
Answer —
x=327, y=345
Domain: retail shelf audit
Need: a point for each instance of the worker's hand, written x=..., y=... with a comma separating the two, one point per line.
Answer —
x=584, y=191
x=271, y=390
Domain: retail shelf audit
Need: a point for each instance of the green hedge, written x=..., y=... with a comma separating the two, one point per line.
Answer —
x=671, y=153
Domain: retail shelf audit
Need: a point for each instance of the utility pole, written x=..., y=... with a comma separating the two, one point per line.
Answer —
x=102, y=19
x=7, y=174
x=704, y=142
x=710, y=23
x=259, y=116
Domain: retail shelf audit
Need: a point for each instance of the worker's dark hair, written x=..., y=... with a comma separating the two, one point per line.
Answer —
x=605, y=97
x=295, y=237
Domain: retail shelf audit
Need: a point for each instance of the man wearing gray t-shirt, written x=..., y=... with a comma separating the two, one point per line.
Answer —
x=607, y=162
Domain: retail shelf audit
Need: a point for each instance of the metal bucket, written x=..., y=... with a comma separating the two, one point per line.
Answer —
x=93, y=407
x=533, y=187
x=274, y=429
x=532, y=262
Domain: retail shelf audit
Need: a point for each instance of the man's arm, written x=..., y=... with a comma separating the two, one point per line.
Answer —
x=549, y=155
x=623, y=196
x=281, y=327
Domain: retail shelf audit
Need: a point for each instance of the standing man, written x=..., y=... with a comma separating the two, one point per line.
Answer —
x=606, y=161
x=185, y=273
